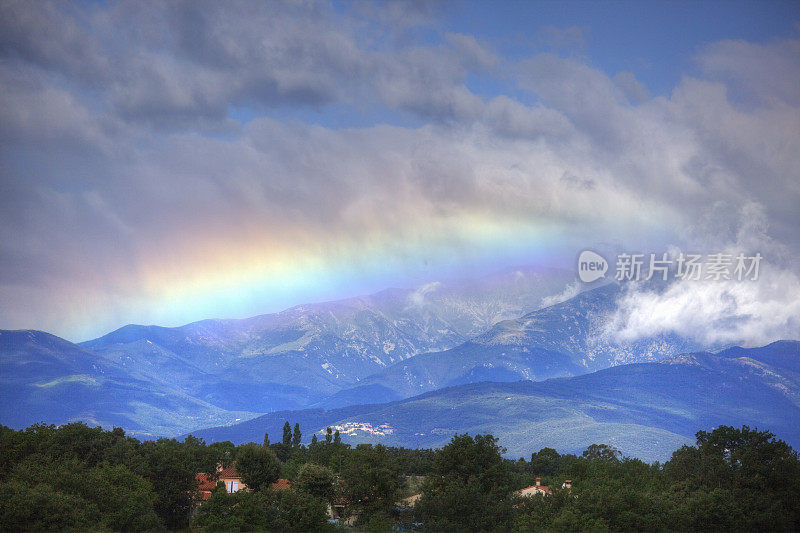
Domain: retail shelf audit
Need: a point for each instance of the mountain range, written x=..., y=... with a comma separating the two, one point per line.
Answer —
x=404, y=349
x=293, y=358
x=227, y=370
x=565, y=339
x=44, y=378
x=646, y=410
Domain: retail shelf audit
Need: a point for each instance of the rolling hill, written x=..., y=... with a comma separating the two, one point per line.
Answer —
x=44, y=378
x=646, y=410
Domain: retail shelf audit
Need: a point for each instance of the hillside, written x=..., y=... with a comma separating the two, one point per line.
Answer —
x=164, y=381
x=44, y=378
x=287, y=359
x=647, y=410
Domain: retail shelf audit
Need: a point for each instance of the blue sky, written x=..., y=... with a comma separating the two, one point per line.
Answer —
x=654, y=40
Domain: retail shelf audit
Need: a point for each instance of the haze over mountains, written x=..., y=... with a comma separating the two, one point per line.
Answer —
x=455, y=354
x=44, y=378
x=564, y=339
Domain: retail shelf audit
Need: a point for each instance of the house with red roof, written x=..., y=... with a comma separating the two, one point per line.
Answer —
x=230, y=477
x=205, y=485
x=538, y=488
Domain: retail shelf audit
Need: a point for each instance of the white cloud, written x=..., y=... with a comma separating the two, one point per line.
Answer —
x=417, y=298
x=744, y=312
x=633, y=88
x=570, y=291
x=750, y=313
x=764, y=73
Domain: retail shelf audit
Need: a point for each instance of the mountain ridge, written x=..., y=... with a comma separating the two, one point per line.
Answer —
x=645, y=409
x=325, y=347
x=216, y=372
x=44, y=378
x=564, y=339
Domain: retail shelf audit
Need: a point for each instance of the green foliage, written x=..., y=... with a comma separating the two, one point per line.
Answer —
x=602, y=452
x=39, y=507
x=536, y=511
x=287, y=434
x=299, y=512
x=44, y=492
x=265, y=510
x=371, y=483
x=733, y=479
x=219, y=512
x=545, y=462
x=79, y=478
x=258, y=466
x=378, y=522
x=171, y=468
x=125, y=500
x=315, y=480
x=467, y=488
x=296, y=436
x=223, y=452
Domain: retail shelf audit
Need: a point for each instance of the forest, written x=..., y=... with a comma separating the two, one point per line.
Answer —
x=80, y=477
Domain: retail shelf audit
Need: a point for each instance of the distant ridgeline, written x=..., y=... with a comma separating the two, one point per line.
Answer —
x=409, y=368
x=391, y=345
x=647, y=410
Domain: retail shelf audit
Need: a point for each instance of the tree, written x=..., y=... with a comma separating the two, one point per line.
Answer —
x=328, y=436
x=545, y=462
x=218, y=513
x=171, y=471
x=297, y=436
x=104, y=497
x=314, y=440
x=125, y=499
x=258, y=466
x=41, y=507
x=266, y=440
x=371, y=481
x=287, y=434
x=223, y=452
x=735, y=479
x=315, y=480
x=297, y=512
x=467, y=488
x=262, y=511
x=538, y=512
x=337, y=439
x=602, y=451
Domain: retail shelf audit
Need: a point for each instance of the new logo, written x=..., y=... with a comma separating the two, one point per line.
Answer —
x=591, y=266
